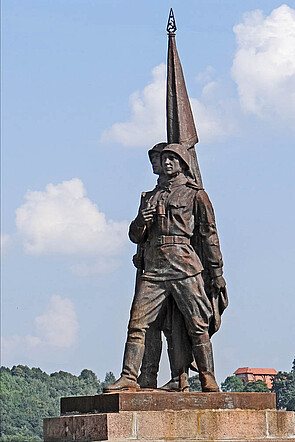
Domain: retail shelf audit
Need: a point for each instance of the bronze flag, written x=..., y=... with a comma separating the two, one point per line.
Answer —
x=180, y=121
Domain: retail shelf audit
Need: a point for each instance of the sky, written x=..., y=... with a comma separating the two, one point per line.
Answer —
x=83, y=99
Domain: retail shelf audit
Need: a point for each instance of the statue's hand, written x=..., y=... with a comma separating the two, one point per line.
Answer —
x=218, y=283
x=146, y=215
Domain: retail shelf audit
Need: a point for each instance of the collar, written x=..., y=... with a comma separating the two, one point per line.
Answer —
x=177, y=181
x=161, y=181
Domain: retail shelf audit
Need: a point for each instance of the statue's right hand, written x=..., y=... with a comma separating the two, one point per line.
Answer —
x=147, y=214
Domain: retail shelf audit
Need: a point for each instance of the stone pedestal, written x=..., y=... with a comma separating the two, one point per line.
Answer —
x=160, y=417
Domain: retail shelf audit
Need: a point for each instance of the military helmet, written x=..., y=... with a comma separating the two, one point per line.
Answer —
x=156, y=149
x=180, y=150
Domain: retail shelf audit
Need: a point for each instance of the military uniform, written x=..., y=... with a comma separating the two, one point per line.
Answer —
x=171, y=263
x=170, y=321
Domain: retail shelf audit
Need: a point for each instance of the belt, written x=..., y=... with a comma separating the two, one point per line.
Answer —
x=165, y=239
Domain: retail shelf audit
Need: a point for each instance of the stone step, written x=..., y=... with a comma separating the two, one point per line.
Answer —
x=187, y=425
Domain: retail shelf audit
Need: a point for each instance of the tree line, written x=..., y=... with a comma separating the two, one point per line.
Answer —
x=29, y=394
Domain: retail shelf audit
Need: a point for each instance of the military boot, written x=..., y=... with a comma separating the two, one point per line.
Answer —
x=147, y=380
x=151, y=359
x=177, y=383
x=204, y=358
x=131, y=362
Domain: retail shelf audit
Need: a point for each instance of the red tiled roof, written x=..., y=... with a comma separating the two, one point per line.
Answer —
x=245, y=370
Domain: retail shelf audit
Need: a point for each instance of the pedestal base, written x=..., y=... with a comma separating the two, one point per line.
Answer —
x=222, y=422
x=157, y=400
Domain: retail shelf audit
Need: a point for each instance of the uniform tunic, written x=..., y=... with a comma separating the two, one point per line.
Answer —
x=184, y=223
x=188, y=216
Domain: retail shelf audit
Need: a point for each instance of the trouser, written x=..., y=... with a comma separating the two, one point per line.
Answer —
x=170, y=320
x=191, y=299
x=189, y=295
x=152, y=352
x=179, y=342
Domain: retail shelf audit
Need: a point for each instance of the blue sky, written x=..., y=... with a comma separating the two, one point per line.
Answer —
x=83, y=99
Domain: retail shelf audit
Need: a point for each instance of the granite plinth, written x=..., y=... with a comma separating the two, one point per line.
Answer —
x=152, y=416
x=160, y=401
x=182, y=426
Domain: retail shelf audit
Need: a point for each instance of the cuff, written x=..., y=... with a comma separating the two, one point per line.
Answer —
x=215, y=272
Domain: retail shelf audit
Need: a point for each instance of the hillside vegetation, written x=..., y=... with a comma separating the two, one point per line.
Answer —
x=29, y=394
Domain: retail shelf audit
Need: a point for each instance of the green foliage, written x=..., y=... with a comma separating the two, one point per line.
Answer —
x=88, y=376
x=284, y=387
x=109, y=379
x=291, y=404
x=232, y=384
x=257, y=386
x=194, y=383
x=29, y=394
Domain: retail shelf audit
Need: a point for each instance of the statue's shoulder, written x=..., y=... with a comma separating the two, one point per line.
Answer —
x=193, y=185
x=147, y=195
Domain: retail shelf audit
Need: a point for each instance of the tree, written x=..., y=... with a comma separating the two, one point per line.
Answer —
x=108, y=380
x=88, y=376
x=256, y=386
x=28, y=395
x=291, y=404
x=232, y=384
x=194, y=383
x=284, y=387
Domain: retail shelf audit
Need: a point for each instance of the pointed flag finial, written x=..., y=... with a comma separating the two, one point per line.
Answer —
x=171, y=25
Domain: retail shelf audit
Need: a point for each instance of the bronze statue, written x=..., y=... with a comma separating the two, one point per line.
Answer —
x=178, y=253
x=169, y=320
x=172, y=222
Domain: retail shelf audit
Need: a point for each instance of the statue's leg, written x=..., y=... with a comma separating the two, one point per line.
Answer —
x=203, y=353
x=152, y=355
x=196, y=308
x=145, y=309
x=179, y=348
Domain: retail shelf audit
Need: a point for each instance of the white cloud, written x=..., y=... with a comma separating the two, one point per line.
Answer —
x=55, y=329
x=62, y=220
x=215, y=116
x=147, y=123
x=205, y=76
x=58, y=326
x=264, y=64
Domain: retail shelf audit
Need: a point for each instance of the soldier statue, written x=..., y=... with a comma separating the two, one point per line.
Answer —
x=169, y=320
x=175, y=222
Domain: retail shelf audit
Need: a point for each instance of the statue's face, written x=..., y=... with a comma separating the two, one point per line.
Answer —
x=171, y=164
x=156, y=163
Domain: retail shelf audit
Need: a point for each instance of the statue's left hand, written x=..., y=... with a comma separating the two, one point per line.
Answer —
x=218, y=283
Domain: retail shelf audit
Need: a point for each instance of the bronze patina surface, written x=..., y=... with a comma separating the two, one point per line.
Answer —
x=159, y=401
